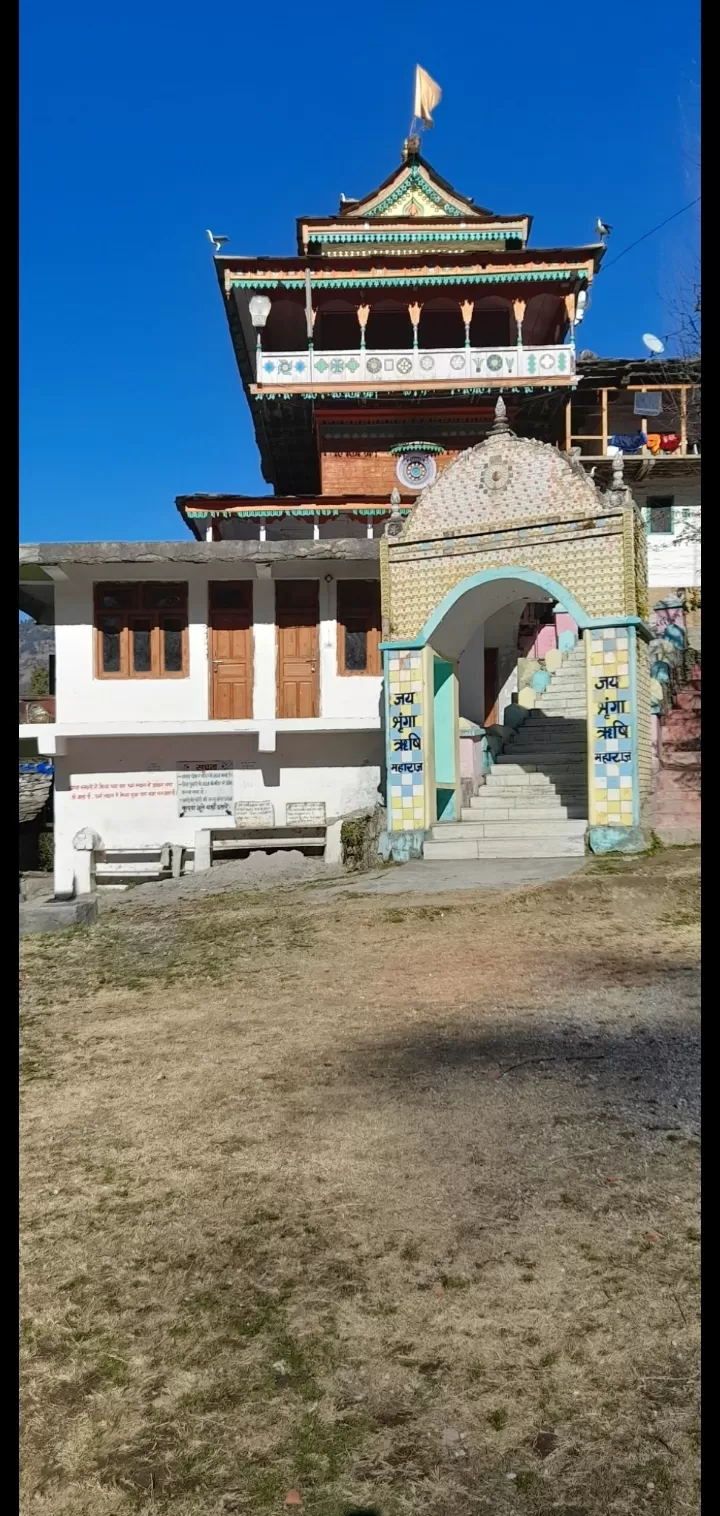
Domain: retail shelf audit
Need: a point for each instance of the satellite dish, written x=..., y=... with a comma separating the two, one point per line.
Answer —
x=653, y=344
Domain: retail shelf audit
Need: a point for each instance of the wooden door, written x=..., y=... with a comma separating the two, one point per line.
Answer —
x=296, y=614
x=231, y=672
x=491, y=686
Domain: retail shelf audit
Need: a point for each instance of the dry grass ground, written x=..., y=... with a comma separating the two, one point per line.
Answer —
x=394, y=1204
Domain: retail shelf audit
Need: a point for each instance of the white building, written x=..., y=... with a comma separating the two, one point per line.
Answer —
x=171, y=657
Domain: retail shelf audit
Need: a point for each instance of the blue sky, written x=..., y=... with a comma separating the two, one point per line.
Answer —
x=143, y=124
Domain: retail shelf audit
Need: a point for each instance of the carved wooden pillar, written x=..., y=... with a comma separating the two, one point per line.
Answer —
x=466, y=311
x=570, y=308
x=414, y=314
x=519, y=313
x=363, y=311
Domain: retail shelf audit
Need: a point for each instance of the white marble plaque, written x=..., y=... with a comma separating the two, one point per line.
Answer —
x=305, y=813
x=254, y=813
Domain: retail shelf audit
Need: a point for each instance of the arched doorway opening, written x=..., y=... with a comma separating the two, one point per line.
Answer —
x=493, y=652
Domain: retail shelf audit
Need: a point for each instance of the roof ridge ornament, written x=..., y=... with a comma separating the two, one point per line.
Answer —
x=500, y=426
x=395, y=525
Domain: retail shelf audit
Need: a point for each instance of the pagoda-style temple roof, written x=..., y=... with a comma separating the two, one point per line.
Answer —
x=334, y=270
x=414, y=207
x=415, y=176
x=414, y=298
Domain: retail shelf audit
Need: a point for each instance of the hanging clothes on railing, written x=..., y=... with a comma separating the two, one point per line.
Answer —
x=630, y=442
x=669, y=442
x=653, y=441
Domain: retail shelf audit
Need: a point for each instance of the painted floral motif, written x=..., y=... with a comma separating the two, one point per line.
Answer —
x=427, y=362
x=547, y=361
x=404, y=365
x=494, y=363
x=374, y=365
x=457, y=361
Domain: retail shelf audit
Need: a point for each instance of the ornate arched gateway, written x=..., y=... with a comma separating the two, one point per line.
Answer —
x=510, y=516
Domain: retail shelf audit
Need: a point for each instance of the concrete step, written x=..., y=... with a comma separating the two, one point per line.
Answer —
x=525, y=813
x=556, y=707
x=547, y=758
x=548, y=763
x=562, y=712
x=517, y=795
x=535, y=762
x=514, y=779
x=567, y=796
x=535, y=744
x=557, y=733
x=539, y=719
x=530, y=801
x=520, y=826
x=509, y=847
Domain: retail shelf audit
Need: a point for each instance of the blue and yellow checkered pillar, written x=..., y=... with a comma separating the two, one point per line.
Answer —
x=407, y=737
x=615, y=738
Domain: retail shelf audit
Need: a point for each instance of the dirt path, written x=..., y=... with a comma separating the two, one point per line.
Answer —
x=391, y=1203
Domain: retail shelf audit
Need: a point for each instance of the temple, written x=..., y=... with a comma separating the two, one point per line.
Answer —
x=440, y=611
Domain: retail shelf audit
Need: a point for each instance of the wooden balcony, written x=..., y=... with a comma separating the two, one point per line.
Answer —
x=415, y=368
x=600, y=422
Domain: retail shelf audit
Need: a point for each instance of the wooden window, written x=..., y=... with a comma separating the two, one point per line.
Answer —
x=141, y=631
x=660, y=515
x=358, y=623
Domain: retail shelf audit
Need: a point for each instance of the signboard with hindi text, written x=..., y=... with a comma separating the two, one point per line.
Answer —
x=205, y=789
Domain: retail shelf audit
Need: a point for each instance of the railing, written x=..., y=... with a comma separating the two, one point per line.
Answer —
x=416, y=366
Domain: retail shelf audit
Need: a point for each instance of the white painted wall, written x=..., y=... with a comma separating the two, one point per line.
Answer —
x=674, y=560
x=500, y=631
x=471, y=678
x=83, y=698
x=342, y=694
x=341, y=769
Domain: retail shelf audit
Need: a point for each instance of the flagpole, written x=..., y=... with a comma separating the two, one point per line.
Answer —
x=413, y=118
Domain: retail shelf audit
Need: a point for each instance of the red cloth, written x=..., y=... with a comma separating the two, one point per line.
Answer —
x=669, y=442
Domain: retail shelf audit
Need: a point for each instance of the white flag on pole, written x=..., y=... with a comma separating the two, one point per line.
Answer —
x=428, y=94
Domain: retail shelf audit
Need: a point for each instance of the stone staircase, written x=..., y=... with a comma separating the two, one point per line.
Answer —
x=534, y=801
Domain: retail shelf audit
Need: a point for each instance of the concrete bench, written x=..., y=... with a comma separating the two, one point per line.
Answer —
x=213, y=843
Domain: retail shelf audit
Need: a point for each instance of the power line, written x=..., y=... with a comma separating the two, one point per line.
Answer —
x=653, y=229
